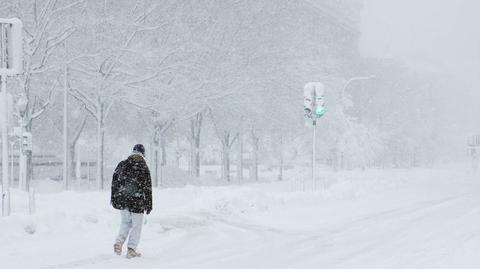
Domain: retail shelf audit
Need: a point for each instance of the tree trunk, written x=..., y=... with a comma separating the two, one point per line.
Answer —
x=195, y=130
x=240, y=157
x=72, y=150
x=100, y=146
x=156, y=141
x=159, y=148
x=225, y=163
x=100, y=171
x=197, y=156
x=156, y=161
x=178, y=154
x=227, y=143
x=254, y=166
x=75, y=166
x=29, y=161
x=163, y=160
x=163, y=146
x=29, y=175
x=280, y=172
x=191, y=158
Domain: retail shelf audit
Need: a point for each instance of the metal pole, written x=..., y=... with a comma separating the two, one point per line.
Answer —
x=342, y=96
x=314, y=152
x=11, y=162
x=31, y=201
x=5, y=185
x=5, y=180
x=65, y=130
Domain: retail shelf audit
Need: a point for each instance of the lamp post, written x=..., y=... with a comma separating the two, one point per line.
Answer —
x=342, y=104
x=350, y=82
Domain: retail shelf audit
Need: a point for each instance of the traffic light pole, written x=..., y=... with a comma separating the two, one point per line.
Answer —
x=314, y=153
x=5, y=180
x=313, y=106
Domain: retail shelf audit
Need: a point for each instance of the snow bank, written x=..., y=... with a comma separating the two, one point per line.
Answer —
x=76, y=229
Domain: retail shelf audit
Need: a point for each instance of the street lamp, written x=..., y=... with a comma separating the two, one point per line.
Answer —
x=357, y=78
x=342, y=94
x=342, y=104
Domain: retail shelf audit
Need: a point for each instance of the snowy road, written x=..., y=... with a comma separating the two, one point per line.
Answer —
x=422, y=221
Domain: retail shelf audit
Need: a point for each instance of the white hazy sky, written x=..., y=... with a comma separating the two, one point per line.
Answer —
x=426, y=34
x=432, y=35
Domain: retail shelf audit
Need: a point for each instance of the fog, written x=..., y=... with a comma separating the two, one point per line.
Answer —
x=205, y=84
x=432, y=37
x=429, y=35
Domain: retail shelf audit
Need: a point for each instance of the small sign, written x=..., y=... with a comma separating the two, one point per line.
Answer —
x=27, y=141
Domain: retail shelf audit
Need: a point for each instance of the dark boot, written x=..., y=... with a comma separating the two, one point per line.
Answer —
x=131, y=253
x=117, y=248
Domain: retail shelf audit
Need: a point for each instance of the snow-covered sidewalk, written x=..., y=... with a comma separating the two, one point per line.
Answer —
x=375, y=219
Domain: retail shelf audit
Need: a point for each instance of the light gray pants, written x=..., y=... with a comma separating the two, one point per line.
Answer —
x=131, y=224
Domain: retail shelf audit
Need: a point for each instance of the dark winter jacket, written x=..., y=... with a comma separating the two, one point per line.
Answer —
x=132, y=185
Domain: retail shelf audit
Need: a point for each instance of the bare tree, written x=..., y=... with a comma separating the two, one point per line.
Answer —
x=194, y=138
x=44, y=32
x=103, y=76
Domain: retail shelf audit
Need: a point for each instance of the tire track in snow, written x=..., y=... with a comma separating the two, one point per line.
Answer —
x=233, y=242
x=400, y=226
x=321, y=245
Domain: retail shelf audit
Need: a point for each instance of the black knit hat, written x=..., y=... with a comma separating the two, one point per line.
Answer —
x=139, y=148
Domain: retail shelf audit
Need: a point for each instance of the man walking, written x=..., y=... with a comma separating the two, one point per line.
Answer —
x=132, y=195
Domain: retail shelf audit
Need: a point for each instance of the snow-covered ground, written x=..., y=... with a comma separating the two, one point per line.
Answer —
x=369, y=219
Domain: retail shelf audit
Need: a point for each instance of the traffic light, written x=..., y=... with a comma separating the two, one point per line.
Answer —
x=320, y=111
x=307, y=102
x=314, y=100
x=319, y=100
